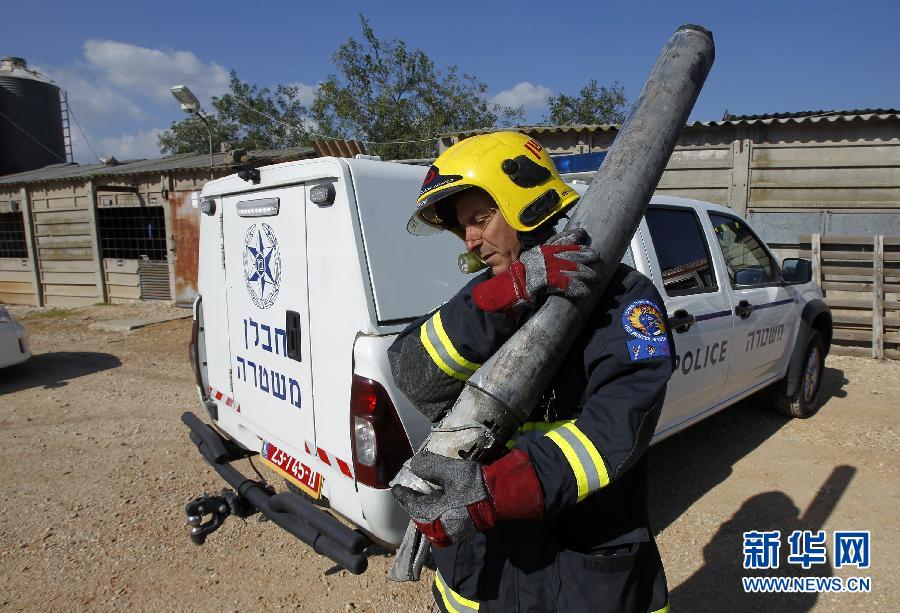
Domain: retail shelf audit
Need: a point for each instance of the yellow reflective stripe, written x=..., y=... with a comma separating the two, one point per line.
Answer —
x=455, y=603
x=580, y=476
x=443, y=591
x=586, y=462
x=528, y=426
x=527, y=431
x=435, y=356
x=592, y=451
x=439, y=327
x=665, y=609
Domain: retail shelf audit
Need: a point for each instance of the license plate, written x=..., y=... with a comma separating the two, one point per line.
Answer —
x=291, y=469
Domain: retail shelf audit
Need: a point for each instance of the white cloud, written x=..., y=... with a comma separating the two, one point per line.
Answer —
x=93, y=102
x=117, y=92
x=144, y=71
x=306, y=93
x=523, y=94
x=144, y=144
x=81, y=150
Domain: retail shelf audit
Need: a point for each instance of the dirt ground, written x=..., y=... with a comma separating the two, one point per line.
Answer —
x=96, y=469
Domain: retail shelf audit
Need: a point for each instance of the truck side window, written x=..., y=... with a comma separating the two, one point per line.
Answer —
x=746, y=258
x=681, y=250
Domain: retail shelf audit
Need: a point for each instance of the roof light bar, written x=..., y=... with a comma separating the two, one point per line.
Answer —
x=578, y=162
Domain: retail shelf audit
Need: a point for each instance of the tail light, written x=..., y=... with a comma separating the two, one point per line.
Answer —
x=380, y=445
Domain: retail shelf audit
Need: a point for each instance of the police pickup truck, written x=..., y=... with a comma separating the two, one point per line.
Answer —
x=307, y=273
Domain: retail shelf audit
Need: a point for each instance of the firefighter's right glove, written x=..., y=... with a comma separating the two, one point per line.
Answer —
x=562, y=265
x=470, y=497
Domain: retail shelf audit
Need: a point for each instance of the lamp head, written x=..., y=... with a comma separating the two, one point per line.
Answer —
x=189, y=102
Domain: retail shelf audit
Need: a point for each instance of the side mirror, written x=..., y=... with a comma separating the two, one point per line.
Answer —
x=796, y=271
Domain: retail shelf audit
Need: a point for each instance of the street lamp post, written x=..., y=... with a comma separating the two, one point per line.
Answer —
x=190, y=104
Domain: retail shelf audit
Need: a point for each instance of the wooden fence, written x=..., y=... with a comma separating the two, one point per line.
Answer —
x=860, y=277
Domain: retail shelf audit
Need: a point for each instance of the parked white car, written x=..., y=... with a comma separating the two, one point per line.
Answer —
x=307, y=274
x=13, y=340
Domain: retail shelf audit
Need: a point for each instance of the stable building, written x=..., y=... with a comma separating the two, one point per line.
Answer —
x=79, y=234
x=791, y=174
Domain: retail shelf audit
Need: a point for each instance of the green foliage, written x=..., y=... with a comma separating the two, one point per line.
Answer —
x=594, y=104
x=382, y=91
x=234, y=123
x=190, y=136
x=385, y=91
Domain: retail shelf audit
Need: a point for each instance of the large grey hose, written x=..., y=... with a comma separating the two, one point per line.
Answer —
x=503, y=392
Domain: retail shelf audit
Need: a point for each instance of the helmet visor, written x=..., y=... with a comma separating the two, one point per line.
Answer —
x=425, y=219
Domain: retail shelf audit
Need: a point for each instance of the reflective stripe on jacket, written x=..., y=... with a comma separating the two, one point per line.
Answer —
x=586, y=439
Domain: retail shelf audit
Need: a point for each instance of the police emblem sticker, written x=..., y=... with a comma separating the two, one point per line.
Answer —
x=262, y=265
x=644, y=320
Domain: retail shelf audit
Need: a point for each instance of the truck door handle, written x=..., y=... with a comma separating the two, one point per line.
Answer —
x=681, y=321
x=743, y=309
x=292, y=327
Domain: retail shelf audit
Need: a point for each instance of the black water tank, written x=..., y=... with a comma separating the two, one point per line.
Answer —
x=31, y=131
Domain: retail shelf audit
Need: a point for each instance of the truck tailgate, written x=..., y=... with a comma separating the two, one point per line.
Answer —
x=268, y=318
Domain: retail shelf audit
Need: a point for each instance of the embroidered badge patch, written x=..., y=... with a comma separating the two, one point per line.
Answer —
x=644, y=320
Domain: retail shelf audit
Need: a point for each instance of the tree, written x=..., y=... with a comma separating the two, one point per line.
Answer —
x=594, y=104
x=234, y=122
x=385, y=92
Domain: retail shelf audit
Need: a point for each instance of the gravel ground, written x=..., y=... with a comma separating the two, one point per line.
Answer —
x=96, y=468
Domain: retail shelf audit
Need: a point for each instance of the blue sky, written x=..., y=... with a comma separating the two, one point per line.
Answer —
x=118, y=59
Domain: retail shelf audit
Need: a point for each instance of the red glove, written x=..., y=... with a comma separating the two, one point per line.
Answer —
x=470, y=497
x=561, y=266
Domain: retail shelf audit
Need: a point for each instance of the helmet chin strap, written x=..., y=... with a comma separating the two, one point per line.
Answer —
x=539, y=235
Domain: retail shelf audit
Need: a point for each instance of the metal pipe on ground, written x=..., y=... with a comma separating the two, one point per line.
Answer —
x=503, y=392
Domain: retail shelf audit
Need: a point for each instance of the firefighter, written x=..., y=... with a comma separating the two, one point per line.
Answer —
x=559, y=522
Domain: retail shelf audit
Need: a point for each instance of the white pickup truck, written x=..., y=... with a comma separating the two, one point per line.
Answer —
x=307, y=273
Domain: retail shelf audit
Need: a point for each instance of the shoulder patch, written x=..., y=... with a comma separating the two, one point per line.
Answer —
x=643, y=320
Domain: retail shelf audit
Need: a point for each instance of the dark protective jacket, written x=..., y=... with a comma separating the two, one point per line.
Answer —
x=593, y=551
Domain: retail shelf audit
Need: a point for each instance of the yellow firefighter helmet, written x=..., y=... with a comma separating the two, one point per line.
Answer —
x=514, y=169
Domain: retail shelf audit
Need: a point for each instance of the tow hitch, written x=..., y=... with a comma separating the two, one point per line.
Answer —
x=321, y=531
x=218, y=508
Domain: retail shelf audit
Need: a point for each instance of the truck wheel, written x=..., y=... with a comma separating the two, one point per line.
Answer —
x=805, y=400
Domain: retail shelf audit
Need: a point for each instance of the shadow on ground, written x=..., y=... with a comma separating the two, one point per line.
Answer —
x=54, y=369
x=719, y=582
x=687, y=466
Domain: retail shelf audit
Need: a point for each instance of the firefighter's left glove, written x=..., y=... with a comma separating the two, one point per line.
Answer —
x=560, y=266
x=470, y=497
